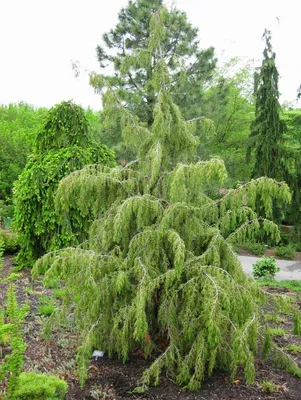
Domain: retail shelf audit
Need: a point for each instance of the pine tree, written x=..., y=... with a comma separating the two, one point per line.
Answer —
x=267, y=129
x=158, y=271
x=189, y=66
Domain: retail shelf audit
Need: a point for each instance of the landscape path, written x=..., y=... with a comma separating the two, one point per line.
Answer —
x=289, y=269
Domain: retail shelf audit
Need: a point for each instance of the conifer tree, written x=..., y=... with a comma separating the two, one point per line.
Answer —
x=267, y=129
x=158, y=271
x=190, y=67
x=63, y=144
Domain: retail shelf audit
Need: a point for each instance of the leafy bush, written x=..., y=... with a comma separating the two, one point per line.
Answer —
x=257, y=249
x=31, y=386
x=287, y=252
x=265, y=268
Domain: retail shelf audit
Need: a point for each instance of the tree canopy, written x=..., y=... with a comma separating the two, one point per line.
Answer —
x=158, y=271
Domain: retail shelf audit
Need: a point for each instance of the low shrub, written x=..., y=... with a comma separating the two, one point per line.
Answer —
x=265, y=268
x=10, y=240
x=296, y=245
x=39, y=386
x=257, y=249
x=287, y=252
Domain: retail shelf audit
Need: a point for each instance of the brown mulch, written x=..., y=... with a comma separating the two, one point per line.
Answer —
x=269, y=253
x=109, y=379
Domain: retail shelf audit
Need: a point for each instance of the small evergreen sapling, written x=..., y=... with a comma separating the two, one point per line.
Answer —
x=158, y=271
x=11, y=333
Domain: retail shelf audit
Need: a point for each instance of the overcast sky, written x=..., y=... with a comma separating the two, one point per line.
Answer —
x=39, y=38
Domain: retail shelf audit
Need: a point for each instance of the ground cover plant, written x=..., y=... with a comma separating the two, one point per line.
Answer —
x=158, y=272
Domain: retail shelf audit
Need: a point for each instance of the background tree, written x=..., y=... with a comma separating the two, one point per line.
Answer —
x=18, y=126
x=158, y=271
x=267, y=129
x=231, y=109
x=190, y=67
x=63, y=144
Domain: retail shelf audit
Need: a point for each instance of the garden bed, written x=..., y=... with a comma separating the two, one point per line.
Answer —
x=109, y=379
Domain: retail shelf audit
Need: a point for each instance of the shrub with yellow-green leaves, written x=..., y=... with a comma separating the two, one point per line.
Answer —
x=158, y=271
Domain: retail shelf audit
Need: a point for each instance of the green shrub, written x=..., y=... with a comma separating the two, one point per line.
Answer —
x=31, y=386
x=296, y=245
x=257, y=249
x=10, y=240
x=287, y=252
x=265, y=268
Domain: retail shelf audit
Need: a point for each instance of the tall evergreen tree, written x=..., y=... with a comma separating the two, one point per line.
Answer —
x=190, y=67
x=158, y=271
x=267, y=129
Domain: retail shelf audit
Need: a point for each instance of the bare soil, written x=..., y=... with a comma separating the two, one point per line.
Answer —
x=109, y=379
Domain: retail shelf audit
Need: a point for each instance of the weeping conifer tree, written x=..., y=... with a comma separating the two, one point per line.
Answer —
x=158, y=271
x=267, y=129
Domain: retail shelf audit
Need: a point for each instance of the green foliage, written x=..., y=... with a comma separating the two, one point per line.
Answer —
x=229, y=104
x=158, y=271
x=274, y=318
x=257, y=249
x=287, y=252
x=267, y=128
x=31, y=386
x=10, y=240
x=128, y=48
x=265, y=268
x=18, y=126
x=2, y=249
x=269, y=387
x=12, y=277
x=293, y=348
x=289, y=284
x=11, y=333
x=276, y=332
x=63, y=145
x=47, y=306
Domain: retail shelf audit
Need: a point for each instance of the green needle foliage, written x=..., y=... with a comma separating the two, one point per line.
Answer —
x=11, y=335
x=267, y=129
x=31, y=386
x=63, y=145
x=158, y=271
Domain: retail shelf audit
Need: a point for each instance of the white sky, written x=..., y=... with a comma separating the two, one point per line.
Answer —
x=39, y=38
